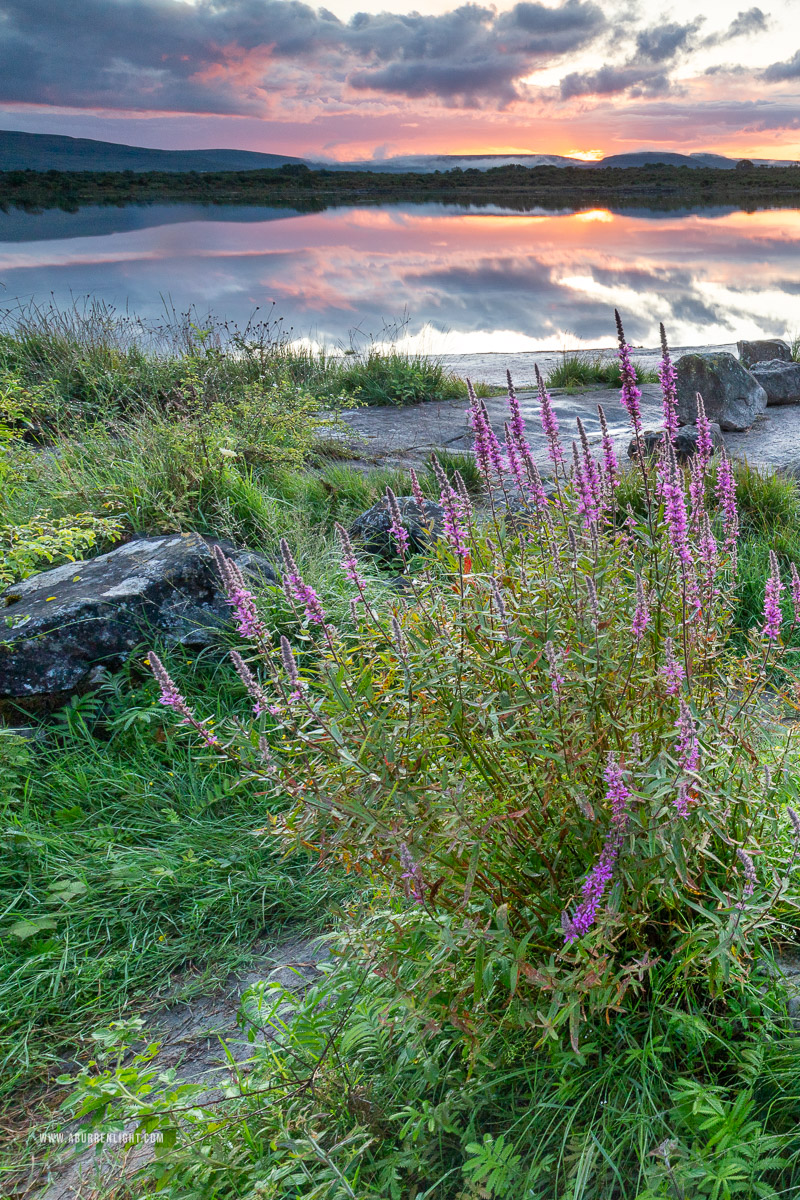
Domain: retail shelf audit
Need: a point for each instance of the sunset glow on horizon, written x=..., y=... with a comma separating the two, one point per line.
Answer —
x=582, y=79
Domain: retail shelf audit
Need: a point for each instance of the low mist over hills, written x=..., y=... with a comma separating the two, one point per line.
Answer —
x=53, y=152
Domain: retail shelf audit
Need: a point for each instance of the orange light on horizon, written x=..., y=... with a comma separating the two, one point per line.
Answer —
x=586, y=155
x=594, y=214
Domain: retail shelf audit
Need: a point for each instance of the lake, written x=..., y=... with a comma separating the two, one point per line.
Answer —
x=483, y=280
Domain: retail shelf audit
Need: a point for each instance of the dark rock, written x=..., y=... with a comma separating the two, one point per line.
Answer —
x=371, y=528
x=732, y=396
x=763, y=351
x=779, y=379
x=62, y=627
x=519, y=513
x=685, y=441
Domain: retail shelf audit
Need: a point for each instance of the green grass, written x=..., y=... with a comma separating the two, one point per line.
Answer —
x=95, y=360
x=585, y=370
x=126, y=858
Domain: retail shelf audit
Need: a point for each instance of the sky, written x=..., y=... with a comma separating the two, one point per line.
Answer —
x=367, y=80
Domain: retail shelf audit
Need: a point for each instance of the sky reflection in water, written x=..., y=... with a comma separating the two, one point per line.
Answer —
x=471, y=281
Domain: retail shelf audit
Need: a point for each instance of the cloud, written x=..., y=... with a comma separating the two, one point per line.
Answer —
x=609, y=81
x=790, y=69
x=662, y=43
x=746, y=23
x=241, y=56
x=645, y=72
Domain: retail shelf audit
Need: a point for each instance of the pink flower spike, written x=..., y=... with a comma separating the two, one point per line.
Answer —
x=705, y=444
x=630, y=396
x=795, y=593
x=598, y=879
x=773, y=617
x=672, y=671
x=549, y=422
x=641, y=617
x=396, y=528
x=610, y=463
x=669, y=388
x=298, y=591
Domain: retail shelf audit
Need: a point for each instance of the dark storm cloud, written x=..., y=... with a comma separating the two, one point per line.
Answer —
x=224, y=56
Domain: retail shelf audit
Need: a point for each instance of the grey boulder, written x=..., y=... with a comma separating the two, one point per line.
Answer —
x=764, y=351
x=780, y=380
x=62, y=625
x=731, y=395
x=370, y=530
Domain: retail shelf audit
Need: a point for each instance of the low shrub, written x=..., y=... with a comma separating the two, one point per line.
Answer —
x=570, y=795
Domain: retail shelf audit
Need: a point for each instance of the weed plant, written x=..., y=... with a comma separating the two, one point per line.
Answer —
x=570, y=794
x=586, y=370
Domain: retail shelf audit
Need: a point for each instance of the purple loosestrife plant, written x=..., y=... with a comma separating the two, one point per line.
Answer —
x=610, y=464
x=672, y=671
x=241, y=600
x=299, y=592
x=452, y=504
x=261, y=703
x=594, y=886
x=726, y=496
x=641, y=616
x=669, y=387
x=630, y=395
x=396, y=527
x=750, y=876
x=675, y=509
x=557, y=680
x=171, y=697
x=349, y=561
x=515, y=462
x=503, y=763
x=488, y=454
x=549, y=424
x=773, y=617
x=795, y=594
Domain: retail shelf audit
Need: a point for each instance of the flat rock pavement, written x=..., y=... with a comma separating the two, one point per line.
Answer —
x=406, y=436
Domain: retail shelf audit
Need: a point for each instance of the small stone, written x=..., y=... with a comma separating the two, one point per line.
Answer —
x=685, y=441
x=763, y=351
x=371, y=529
x=732, y=396
x=779, y=379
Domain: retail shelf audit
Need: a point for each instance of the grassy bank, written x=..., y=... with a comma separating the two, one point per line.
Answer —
x=297, y=187
x=130, y=863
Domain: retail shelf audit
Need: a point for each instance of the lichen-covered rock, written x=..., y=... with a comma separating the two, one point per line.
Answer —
x=731, y=395
x=370, y=530
x=779, y=379
x=685, y=441
x=763, y=351
x=62, y=625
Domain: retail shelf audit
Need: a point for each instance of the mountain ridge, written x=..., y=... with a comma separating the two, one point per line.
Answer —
x=20, y=151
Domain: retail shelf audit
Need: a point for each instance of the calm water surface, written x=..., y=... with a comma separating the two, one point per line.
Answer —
x=477, y=280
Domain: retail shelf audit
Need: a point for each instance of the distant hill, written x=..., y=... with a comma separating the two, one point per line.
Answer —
x=52, y=152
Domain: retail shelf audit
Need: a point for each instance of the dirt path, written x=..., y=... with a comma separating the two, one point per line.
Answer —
x=192, y=1035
